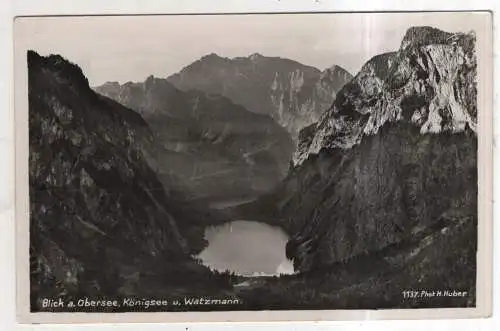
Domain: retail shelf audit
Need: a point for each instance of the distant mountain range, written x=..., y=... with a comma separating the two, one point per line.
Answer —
x=220, y=120
x=219, y=149
x=293, y=94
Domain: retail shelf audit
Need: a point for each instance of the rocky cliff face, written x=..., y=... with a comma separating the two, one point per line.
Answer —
x=100, y=219
x=294, y=95
x=221, y=150
x=395, y=155
x=429, y=82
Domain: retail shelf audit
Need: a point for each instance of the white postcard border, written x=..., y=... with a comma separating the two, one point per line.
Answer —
x=483, y=27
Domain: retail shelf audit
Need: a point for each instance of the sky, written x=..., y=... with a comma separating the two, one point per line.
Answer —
x=130, y=48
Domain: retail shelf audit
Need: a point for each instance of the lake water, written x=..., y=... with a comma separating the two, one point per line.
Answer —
x=247, y=248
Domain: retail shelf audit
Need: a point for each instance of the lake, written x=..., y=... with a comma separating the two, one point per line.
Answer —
x=246, y=248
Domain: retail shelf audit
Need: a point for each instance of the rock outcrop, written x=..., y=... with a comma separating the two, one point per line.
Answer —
x=429, y=82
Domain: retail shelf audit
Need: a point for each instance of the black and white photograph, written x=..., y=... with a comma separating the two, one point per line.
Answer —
x=259, y=162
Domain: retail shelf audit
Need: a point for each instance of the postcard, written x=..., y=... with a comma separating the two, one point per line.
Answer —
x=253, y=167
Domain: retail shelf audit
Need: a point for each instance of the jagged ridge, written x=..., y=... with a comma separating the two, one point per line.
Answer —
x=429, y=82
x=293, y=94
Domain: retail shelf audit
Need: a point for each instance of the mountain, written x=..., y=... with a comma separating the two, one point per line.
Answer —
x=293, y=94
x=219, y=149
x=101, y=222
x=416, y=85
x=390, y=170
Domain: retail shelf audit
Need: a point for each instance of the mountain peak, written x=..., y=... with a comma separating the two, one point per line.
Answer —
x=293, y=94
x=111, y=83
x=333, y=67
x=336, y=70
x=255, y=56
x=424, y=35
x=59, y=66
x=208, y=60
x=417, y=85
x=211, y=56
